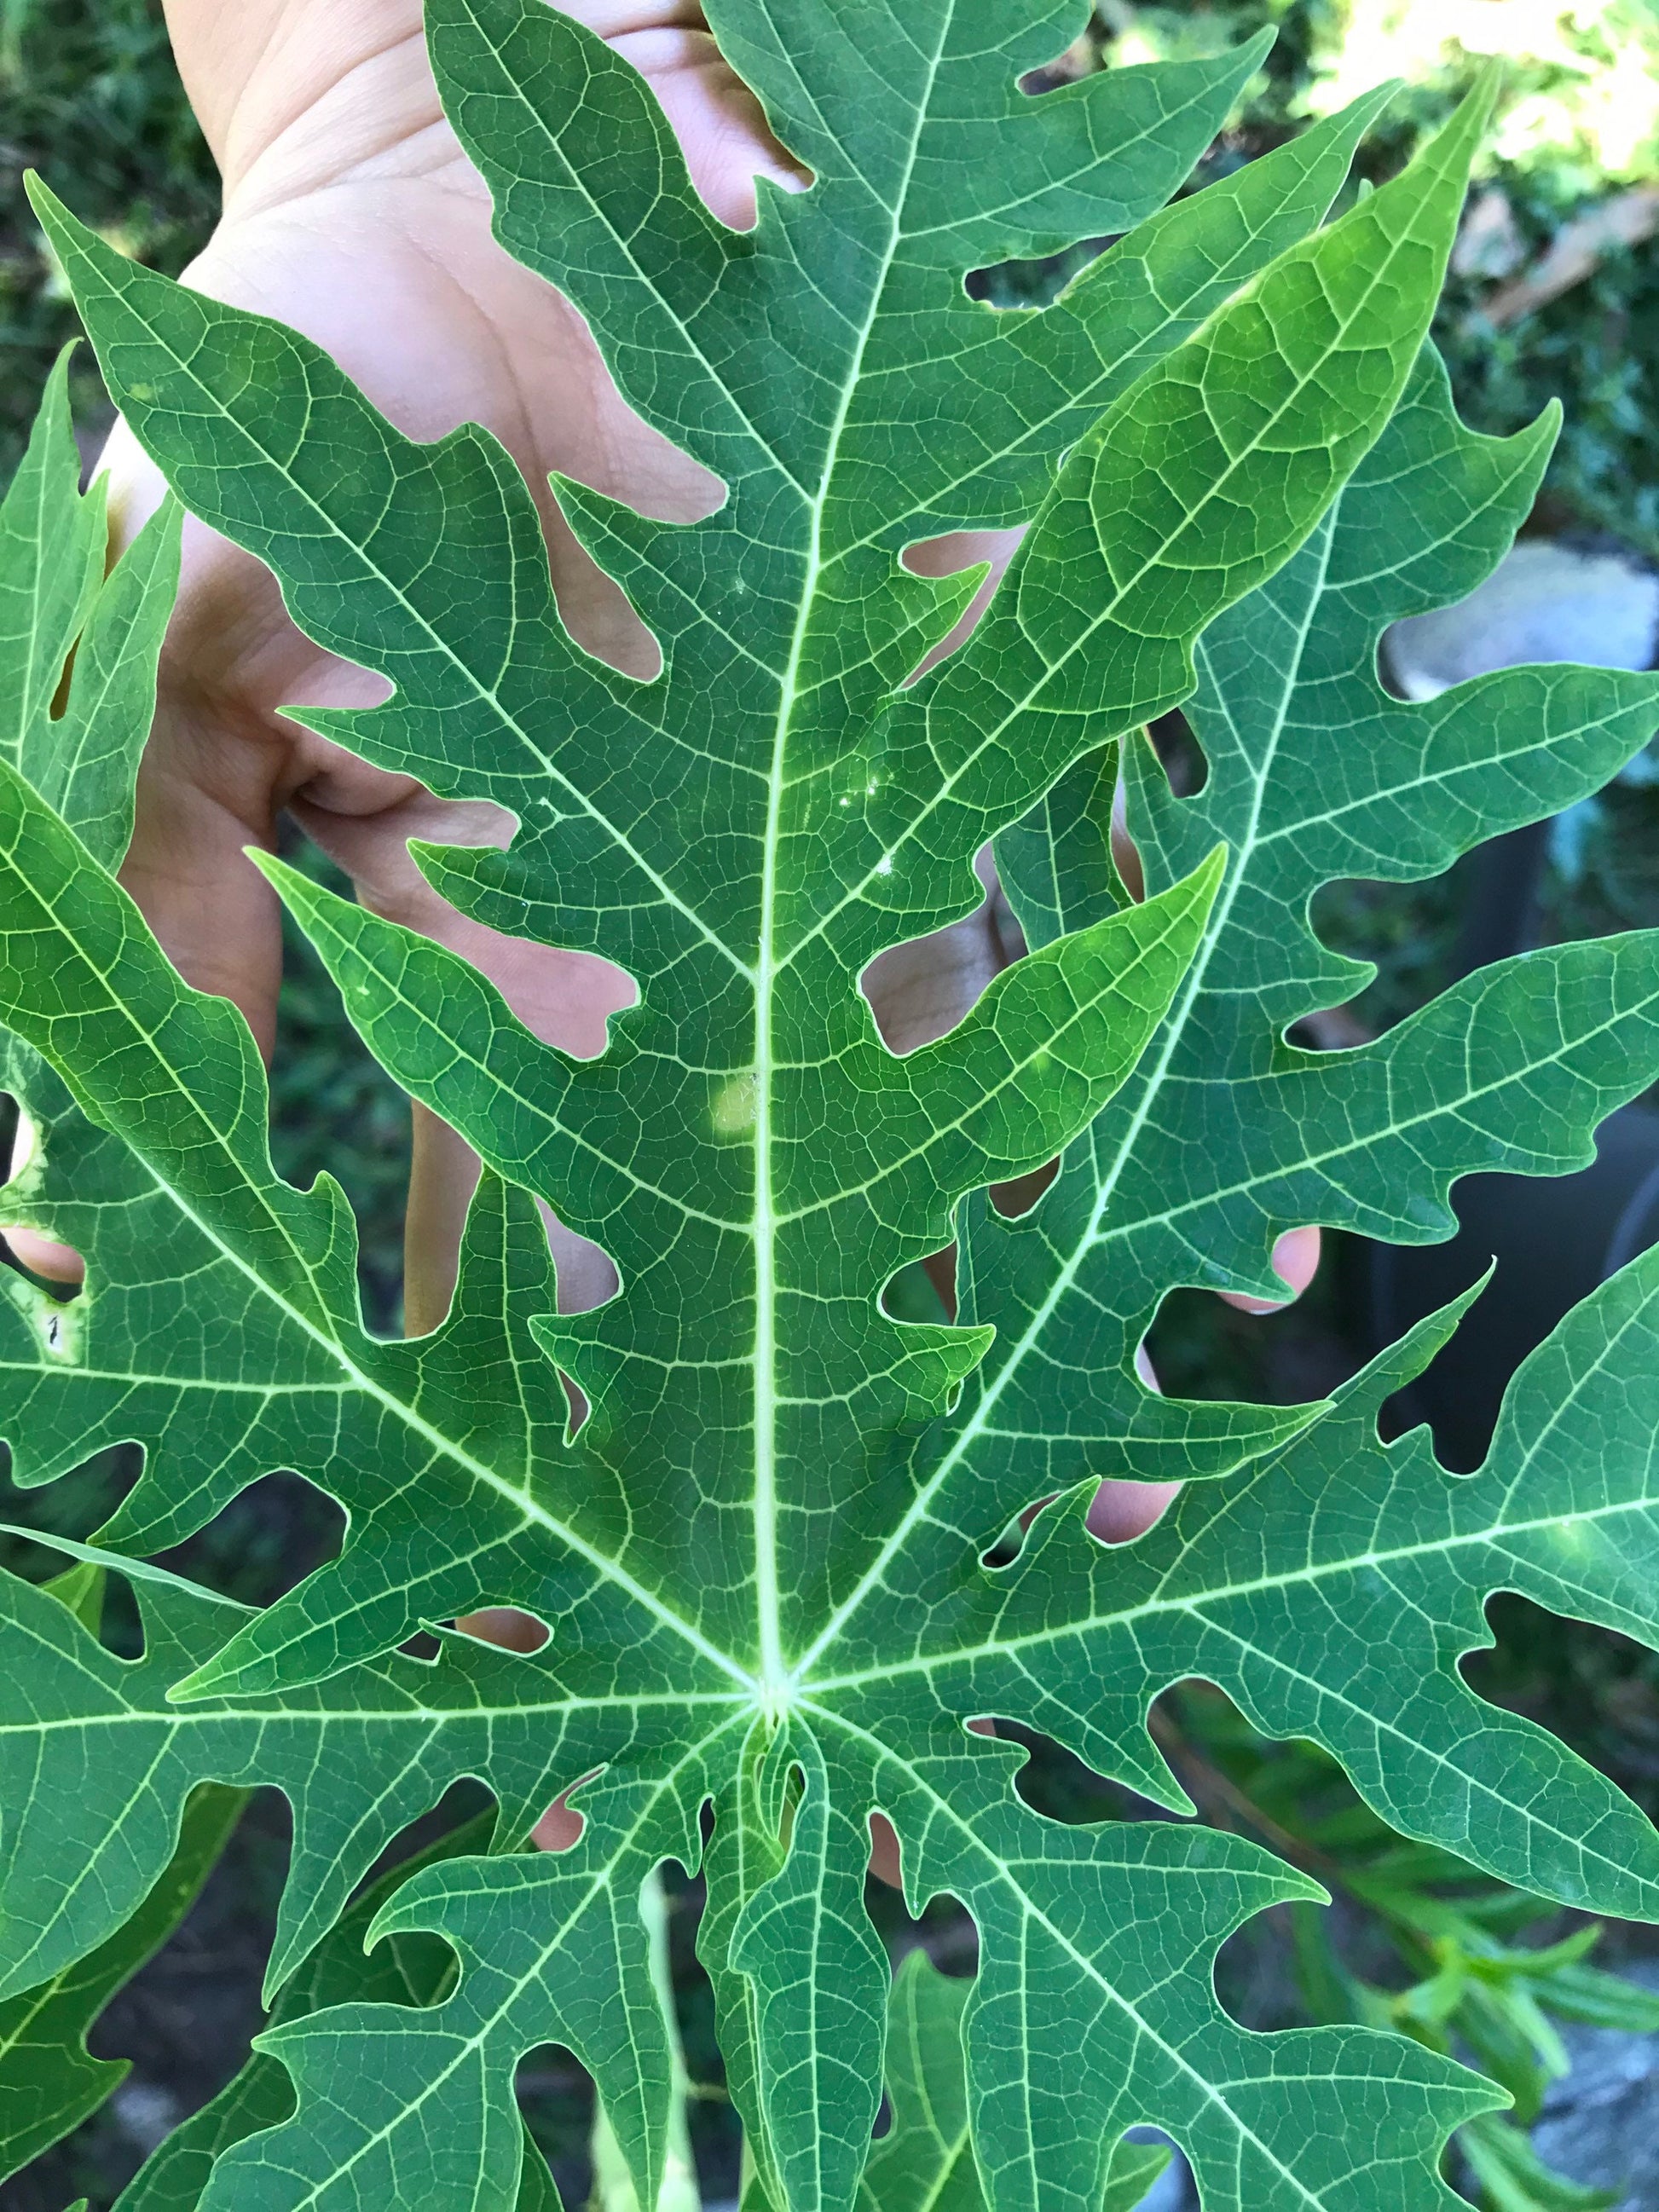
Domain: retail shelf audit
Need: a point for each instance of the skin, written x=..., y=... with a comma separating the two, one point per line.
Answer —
x=352, y=214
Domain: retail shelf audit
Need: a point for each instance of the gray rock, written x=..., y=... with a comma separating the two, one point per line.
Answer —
x=144, y=2114
x=1542, y=602
x=1600, y=2124
x=1173, y=2190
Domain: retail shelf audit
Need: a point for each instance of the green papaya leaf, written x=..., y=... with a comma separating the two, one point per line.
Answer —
x=927, y=2158
x=49, y=2082
x=764, y=1548
x=410, y=1970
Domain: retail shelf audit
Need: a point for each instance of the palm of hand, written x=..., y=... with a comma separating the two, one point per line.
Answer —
x=352, y=215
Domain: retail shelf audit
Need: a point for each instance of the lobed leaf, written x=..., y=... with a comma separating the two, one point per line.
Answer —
x=761, y=1551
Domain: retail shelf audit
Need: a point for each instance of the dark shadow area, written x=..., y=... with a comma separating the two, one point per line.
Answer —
x=1596, y=1690
x=1201, y=1347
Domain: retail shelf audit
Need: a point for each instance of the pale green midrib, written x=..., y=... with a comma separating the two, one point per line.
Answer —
x=1212, y=2092
x=1319, y=1161
x=480, y=690
x=73, y=1370
x=1498, y=1538
x=444, y=1448
x=1323, y=1691
x=1015, y=319
x=1174, y=1028
x=855, y=892
x=767, y=1393
x=468, y=2049
x=176, y=1719
x=1094, y=1240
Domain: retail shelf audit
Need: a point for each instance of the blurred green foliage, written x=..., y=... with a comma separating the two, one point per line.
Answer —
x=1579, y=124
x=89, y=96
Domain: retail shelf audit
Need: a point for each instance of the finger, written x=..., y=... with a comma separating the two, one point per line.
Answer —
x=53, y=1263
x=221, y=762
x=566, y=998
x=1126, y=854
x=505, y=1626
x=722, y=128
x=918, y=991
x=364, y=820
x=1296, y=1261
x=1120, y=1512
x=442, y=1176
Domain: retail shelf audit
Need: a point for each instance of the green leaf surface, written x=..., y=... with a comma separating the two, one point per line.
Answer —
x=925, y=2162
x=77, y=741
x=49, y=2082
x=410, y=1970
x=96, y=1760
x=760, y=1551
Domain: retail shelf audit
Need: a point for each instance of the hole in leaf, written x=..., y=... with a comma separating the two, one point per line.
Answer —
x=1180, y=754
x=1057, y=1783
x=556, y=2098
x=507, y=1626
x=333, y=1108
x=887, y=1854
x=1594, y=1688
x=946, y=1930
x=1011, y=1199
x=1409, y=931
x=920, y=990
x=560, y=1828
x=464, y=1814
x=185, y=2022
x=265, y=1542
x=576, y=1399
x=1201, y=1347
x=925, y=1291
x=1123, y=1512
x=938, y=558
